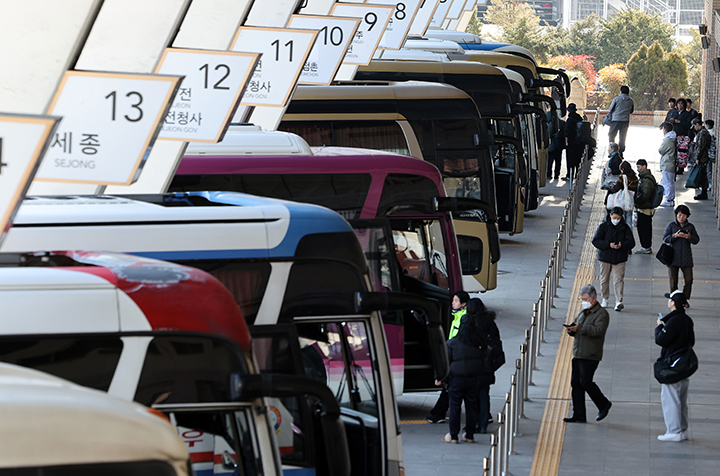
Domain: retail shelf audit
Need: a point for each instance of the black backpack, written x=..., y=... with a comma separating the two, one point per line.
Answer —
x=494, y=354
x=658, y=196
x=584, y=132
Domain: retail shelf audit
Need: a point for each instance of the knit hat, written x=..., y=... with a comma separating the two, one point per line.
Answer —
x=678, y=297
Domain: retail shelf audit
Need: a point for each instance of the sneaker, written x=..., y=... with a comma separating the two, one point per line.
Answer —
x=666, y=203
x=643, y=251
x=683, y=435
x=604, y=303
x=436, y=419
x=464, y=438
x=619, y=306
x=702, y=196
x=448, y=439
x=670, y=437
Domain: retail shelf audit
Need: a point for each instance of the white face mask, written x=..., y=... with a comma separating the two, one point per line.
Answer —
x=615, y=221
x=586, y=305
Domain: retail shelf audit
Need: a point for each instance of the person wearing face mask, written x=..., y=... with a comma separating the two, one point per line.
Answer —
x=675, y=331
x=681, y=234
x=614, y=240
x=589, y=331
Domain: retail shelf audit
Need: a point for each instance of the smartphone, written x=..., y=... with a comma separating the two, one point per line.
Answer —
x=660, y=315
x=568, y=325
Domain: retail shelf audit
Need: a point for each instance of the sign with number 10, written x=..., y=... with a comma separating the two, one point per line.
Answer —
x=110, y=122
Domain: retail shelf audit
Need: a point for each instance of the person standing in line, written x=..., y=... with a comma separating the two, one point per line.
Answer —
x=681, y=234
x=614, y=240
x=681, y=126
x=557, y=144
x=643, y=206
x=574, y=148
x=712, y=153
x=693, y=112
x=459, y=309
x=467, y=362
x=668, y=158
x=589, y=331
x=620, y=109
x=626, y=173
x=701, y=155
x=672, y=111
x=675, y=331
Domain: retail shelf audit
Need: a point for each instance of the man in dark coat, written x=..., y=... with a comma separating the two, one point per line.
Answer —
x=614, y=240
x=643, y=203
x=701, y=155
x=574, y=147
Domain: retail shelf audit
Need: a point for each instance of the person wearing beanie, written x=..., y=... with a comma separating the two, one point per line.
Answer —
x=681, y=234
x=675, y=331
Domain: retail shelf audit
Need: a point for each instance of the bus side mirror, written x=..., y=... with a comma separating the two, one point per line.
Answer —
x=425, y=311
x=471, y=253
x=250, y=387
x=459, y=204
x=484, y=140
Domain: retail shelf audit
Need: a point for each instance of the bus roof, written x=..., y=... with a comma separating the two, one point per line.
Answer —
x=264, y=227
x=169, y=296
x=378, y=90
x=514, y=50
x=50, y=421
x=254, y=140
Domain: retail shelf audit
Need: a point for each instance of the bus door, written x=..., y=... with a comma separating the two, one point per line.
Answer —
x=510, y=183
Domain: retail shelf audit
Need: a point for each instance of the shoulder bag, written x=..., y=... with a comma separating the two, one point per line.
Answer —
x=608, y=179
x=607, y=119
x=494, y=354
x=693, y=180
x=624, y=198
x=665, y=254
x=677, y=366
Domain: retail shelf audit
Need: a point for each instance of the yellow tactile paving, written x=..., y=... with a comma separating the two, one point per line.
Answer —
x=551, y=435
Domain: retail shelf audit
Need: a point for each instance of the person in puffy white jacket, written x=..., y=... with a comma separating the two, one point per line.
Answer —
x=668, y=153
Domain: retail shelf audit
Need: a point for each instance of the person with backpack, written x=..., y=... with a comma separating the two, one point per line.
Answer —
x=573, y=143
x=620, y=109
x=644, y=205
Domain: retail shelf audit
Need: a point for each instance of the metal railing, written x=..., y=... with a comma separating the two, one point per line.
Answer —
x=502, y=442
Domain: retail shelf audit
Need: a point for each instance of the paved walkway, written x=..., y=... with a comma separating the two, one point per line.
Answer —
x=626, y=442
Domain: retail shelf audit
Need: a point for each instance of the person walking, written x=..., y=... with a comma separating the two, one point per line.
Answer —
x=643, y=206
x=614, y=240
x=668, y=158
x=681, y=234
x=574, y=147
x=681, y=126
x=620, y=109
x=589, y=331
x=675, y=331
x=701, y=155
x=467, y=361
x=459, y=309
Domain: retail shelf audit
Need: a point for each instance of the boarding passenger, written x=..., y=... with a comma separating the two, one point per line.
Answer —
x=675, y=332
x=643, y=205
x=574, y=146
x=557, y=144
x=681, y=234
x=589, y=331
x=614, y=241
x=459, y=309
x=668, y=158
x=620, y=109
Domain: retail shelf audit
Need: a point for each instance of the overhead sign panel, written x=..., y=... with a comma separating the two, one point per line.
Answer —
x=110, y=122
x=209, y=94
x=400, y=22
x=23, y=142
x=424, y=16
x=374, y=22
x=284, y=53
x=334, y=37
x=440, y=13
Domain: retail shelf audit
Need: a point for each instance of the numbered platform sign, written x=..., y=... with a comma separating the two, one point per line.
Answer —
x=208, y=96
x=110, y=122
x=23, y=142
x=424, y=16
x=440, y=13
x=334, y=37
x=456, y=9
x=284, y=54
x=374, y=21
x=399, y=24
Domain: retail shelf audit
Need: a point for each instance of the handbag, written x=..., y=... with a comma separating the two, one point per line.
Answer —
x=624, y=198
x=607, y=119
x=494, y=354
x=694, y=178
x=677, y=366
x=665, y=254
x=608, y=179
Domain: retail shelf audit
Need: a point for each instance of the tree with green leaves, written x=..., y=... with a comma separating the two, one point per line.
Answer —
x=655, y=75
x=692, y=54
x=622, y=36
x=610, y=79
x=582, y=38
x=519, y=26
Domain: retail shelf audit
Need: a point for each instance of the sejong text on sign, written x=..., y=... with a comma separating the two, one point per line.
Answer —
x=209, y=94
x=284, y=53
x=23, y=141
x=110, y=122
x=334, y=37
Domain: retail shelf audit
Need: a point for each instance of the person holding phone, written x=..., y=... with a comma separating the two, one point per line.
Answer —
x=681, y=234
x=614, y=240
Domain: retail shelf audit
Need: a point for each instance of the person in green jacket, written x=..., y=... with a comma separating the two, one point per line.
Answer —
x=589, y=331
x=459, y=309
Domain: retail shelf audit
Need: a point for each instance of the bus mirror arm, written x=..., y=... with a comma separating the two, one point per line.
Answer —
x=250, y=387
x=425, y=311
x=458, y=204
x=563, y=76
